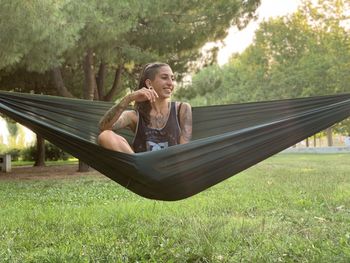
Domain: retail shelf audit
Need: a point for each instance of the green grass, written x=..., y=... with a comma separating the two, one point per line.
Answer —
x=290, y=208
x=47, y=163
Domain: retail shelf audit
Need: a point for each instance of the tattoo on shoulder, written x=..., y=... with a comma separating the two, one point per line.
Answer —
x=186, y=122
x=112, y=115
x=122, y=122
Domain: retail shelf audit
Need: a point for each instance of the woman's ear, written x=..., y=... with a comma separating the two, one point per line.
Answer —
x=148, y=83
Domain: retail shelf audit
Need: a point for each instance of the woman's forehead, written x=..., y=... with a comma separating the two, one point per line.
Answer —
x=165, y=70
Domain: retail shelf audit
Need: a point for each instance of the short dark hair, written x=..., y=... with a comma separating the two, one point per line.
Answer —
x=149, y=71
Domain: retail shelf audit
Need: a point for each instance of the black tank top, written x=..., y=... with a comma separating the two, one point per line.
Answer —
x=152, y=139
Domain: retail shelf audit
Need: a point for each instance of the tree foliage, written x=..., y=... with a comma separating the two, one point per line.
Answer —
x=97, y=44
x=34, y=34
x=304, y=54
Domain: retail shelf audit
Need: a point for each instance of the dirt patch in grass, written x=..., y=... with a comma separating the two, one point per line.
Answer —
x=46, y=172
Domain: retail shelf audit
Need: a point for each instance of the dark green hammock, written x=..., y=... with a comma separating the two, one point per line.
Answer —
x=226, y=139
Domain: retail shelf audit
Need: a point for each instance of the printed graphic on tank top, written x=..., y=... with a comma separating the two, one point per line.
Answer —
x=153, y=139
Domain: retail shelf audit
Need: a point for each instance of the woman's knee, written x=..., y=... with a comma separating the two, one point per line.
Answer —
x=109, y=136
x=104, y=136
x=110, y=140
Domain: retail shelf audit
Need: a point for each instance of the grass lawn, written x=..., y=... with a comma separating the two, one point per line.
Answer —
x=289, y=208
x=48, y=163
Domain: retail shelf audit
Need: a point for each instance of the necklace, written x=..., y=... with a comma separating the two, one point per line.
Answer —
x=158, y=119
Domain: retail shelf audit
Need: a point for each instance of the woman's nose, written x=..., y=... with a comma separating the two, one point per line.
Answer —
x=170, y=82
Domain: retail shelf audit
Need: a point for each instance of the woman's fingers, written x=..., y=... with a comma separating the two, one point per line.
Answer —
x=146, y=94
x=142, y=95
x=154, y=94
x=149, y=95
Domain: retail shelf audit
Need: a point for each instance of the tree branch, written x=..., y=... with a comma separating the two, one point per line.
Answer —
x=59, y=84
x=116, y=84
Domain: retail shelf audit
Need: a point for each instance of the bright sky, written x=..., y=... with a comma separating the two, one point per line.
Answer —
x=237, y=41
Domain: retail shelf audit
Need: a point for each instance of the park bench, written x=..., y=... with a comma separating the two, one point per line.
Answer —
x=5, y=163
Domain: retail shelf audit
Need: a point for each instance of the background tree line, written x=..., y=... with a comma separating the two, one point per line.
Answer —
x=94, y=49
x=304, y=54
x=86, y=49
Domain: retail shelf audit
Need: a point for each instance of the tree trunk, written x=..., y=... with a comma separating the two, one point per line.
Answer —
x=100, y=80
x=329, y=136
x=59, y=83
x=83, y=167
x=90, y=87
x=89, y=76
x=40, y=151
x=96, y=96
x=116, y=87
x=63, y=91
x=307, y=142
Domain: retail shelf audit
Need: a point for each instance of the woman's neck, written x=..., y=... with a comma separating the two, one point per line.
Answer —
x=160, y=105
x=159, y=113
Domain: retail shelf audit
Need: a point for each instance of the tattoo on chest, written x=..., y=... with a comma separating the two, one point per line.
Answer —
x=158, y=120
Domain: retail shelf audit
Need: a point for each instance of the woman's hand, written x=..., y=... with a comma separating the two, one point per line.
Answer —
x=114, y=116
x=144, y=94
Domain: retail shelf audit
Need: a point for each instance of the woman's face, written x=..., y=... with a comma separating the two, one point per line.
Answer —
x=163, y=82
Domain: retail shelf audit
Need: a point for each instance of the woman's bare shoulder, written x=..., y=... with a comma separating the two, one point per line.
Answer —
x=184, y=107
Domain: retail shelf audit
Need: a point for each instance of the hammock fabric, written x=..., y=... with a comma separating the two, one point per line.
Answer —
x=226, y=139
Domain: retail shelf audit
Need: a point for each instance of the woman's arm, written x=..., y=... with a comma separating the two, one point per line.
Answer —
x=117, y=118
x=185, y=123
x=115, y=114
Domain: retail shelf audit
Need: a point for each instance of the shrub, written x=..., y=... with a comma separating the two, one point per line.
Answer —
x=28, y=154
x=13, y=151
x=52, y=153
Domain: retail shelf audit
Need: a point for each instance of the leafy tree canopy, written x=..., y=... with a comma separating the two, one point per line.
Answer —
x=100, y=42
x=304, y=54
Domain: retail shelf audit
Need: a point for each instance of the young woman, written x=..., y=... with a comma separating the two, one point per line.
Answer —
x=156, y=121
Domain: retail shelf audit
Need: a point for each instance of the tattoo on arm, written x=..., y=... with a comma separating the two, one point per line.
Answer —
x=113, y=115
x=122, y=122
x=186, y=123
